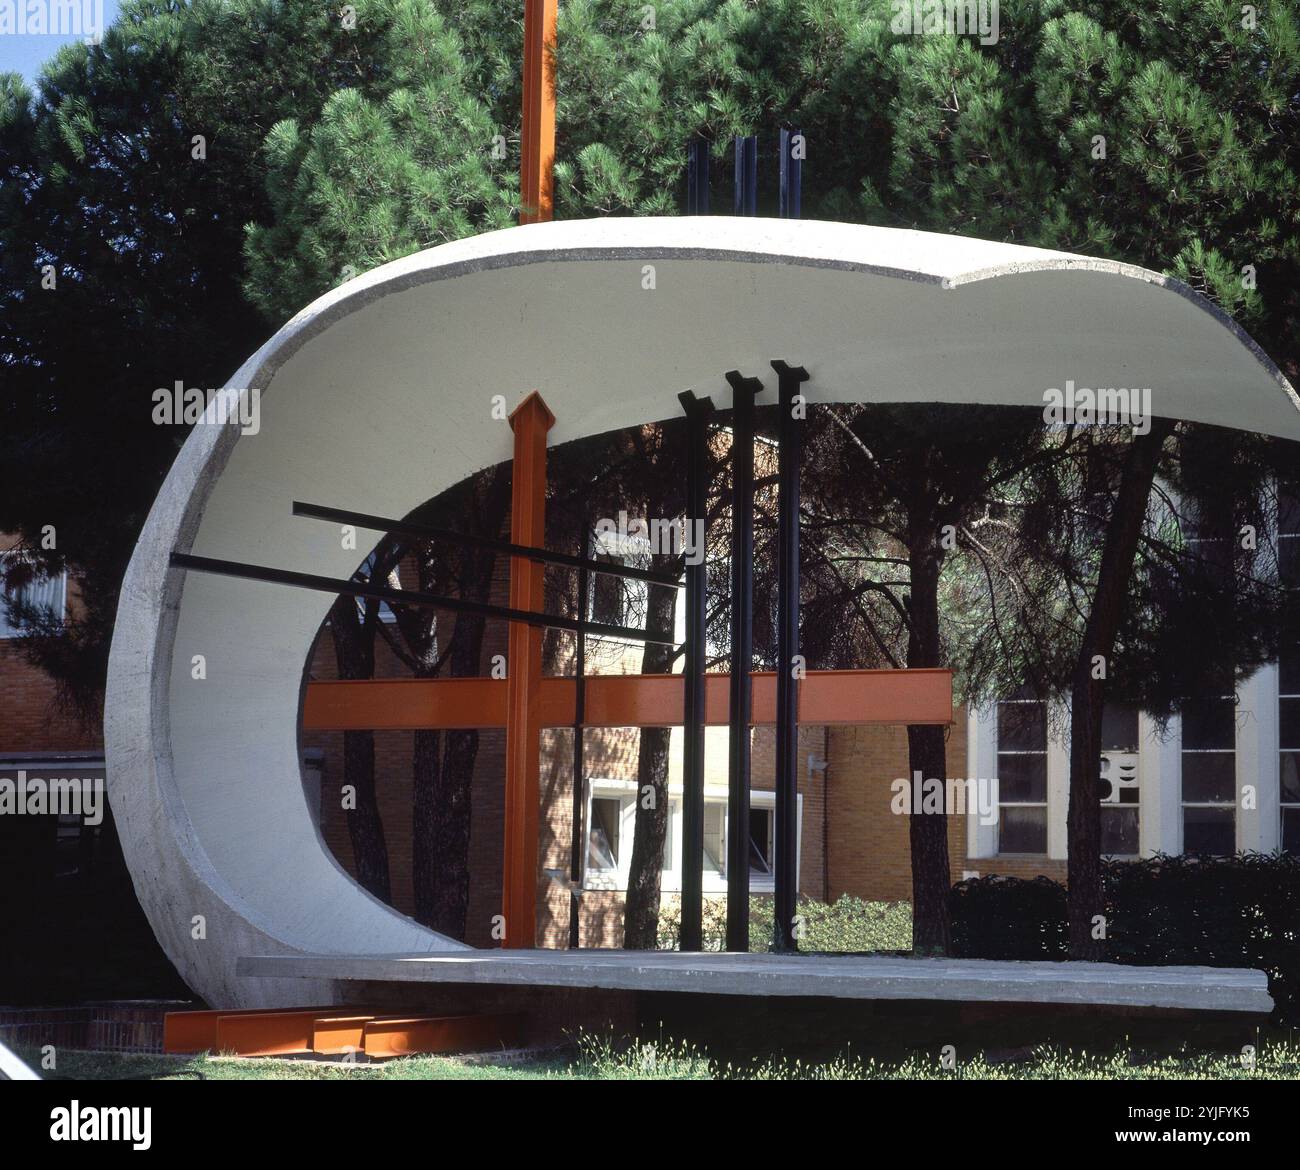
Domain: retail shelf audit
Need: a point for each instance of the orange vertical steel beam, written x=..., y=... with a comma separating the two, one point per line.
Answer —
x=531, y=421
x=537, y=144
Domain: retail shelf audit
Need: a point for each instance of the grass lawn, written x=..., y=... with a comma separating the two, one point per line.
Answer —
x=596, y=1059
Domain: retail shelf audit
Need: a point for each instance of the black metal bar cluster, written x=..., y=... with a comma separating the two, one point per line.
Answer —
x=790, y=430
x=697, y=411
x=791, y=174
x=791, y=152
x=697, y=176
x=746, y=175
x=579, y=780
x=785, y=863
x=743, y=392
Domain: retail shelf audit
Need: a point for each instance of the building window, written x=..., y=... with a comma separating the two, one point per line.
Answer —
x=1288, y=723
x=715, y=838
x=1288, y=536
x=38, y=592
x=1022, y=776
x=1119, y=781
x=605, y=817
x=611, y=821
x=762, y=843
x=1209, y=532
x=1209, y=765
x=611, y=826
x=1288, y=703
x=762, y=840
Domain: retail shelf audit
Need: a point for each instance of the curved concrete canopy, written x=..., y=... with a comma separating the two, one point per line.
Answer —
x=379, y=395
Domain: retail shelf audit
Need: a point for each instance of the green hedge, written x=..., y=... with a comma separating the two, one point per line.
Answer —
x=848, y=924
x=1241, y=911
x=999, y=917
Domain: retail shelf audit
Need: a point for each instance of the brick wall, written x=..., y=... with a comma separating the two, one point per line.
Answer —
x=869, y=852
x=123, y=1026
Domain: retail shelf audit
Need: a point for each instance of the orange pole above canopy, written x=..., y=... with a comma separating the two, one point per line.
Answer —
x=537, y=141
x=626, y=700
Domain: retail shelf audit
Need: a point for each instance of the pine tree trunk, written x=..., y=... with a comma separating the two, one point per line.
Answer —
x=427, y=859
x=927, y=754
x=1088, y=693
x=443, y=764
x=641, y=910
x=354, y=652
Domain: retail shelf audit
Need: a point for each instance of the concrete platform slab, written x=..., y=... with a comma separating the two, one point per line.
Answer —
x=866, y=977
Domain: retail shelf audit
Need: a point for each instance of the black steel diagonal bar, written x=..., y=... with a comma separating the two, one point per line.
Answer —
x=406, y=597
x=431, y=532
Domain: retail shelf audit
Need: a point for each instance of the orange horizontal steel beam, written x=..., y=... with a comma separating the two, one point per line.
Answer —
x=196, y=1031
x=626, y=700
x=433, y=1034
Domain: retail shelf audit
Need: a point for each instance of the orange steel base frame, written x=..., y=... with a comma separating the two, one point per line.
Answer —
x=525, y=702
x=335, y=1032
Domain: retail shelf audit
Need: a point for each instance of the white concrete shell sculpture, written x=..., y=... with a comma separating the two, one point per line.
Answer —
x=379, y=396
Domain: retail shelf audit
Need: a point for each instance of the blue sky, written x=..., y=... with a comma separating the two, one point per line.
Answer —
x=26, y=54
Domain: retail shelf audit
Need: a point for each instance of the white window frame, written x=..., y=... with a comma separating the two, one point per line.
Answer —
x=1045, y=803
x=8, y=632
x=625, y=791
x=1234, y=802
x=1283, y=805
x=1282, y=748
x=1110, y=809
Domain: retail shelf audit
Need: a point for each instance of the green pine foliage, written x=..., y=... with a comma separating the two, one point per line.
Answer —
x=374, y=179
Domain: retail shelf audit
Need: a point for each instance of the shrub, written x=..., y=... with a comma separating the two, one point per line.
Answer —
x=848, y=924
x=1241, y=911
x=998, y=917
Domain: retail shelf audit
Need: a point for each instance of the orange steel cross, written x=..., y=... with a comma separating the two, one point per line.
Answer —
x=525, y=702
x=531, y=421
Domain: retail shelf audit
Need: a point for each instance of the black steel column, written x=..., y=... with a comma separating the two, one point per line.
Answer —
x=697, y=437
x=746, y=175
x=786, y=861
x=743, y=391
x=697, y=176
x=579, y=780
x=791, y=176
